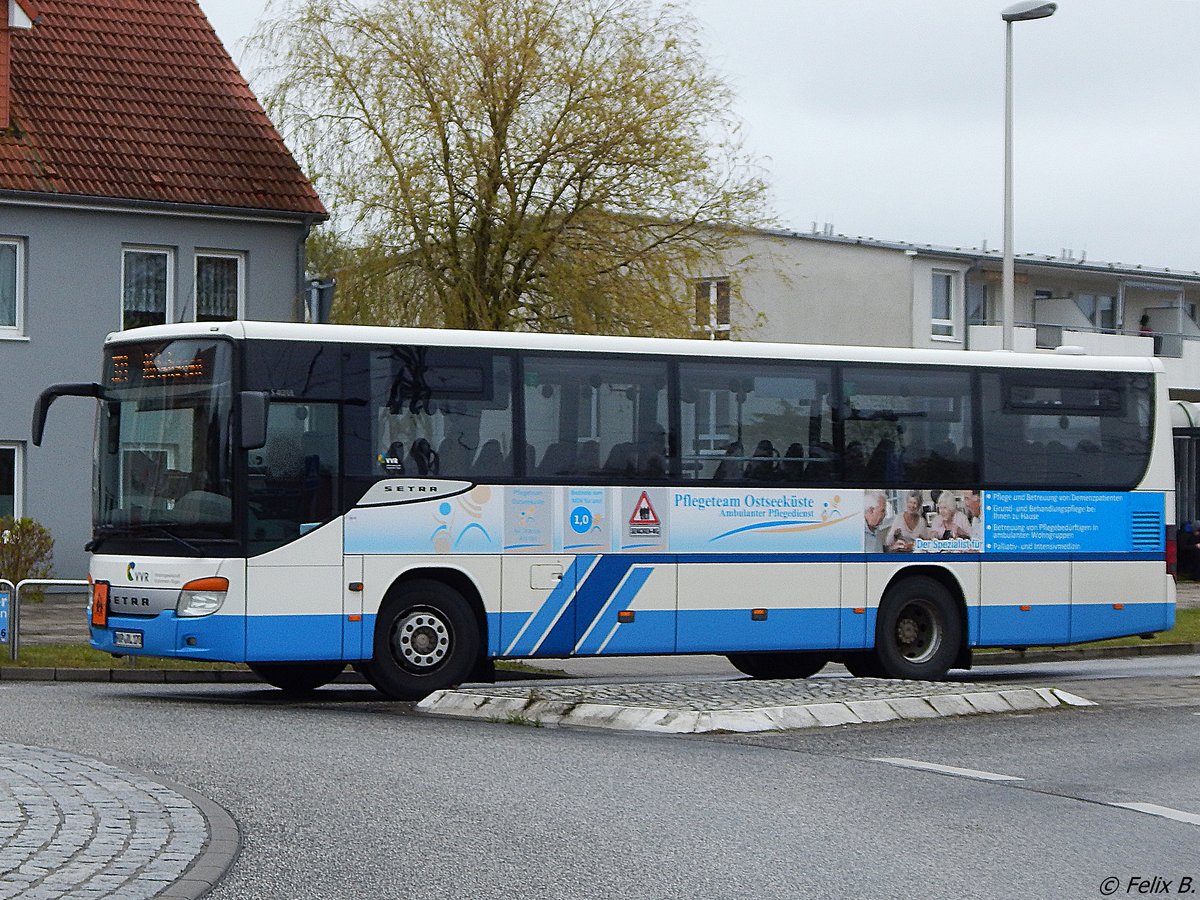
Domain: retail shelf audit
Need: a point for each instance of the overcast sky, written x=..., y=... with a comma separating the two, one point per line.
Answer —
x=886, y=118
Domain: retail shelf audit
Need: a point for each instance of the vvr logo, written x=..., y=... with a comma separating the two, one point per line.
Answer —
x=133, y=574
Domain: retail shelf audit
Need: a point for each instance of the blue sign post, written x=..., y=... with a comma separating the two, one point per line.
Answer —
x=4, y=597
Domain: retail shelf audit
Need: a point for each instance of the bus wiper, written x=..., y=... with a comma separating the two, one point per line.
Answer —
x=107, y=531
x=173, y=536
x=101, y=533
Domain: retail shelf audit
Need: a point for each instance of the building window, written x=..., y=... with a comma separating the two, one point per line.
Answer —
x=218, y=287
x=147, y=276
x=977, y=303
x=10, y=480
x=1100, y=309
x=712, y=308
x=942, y=309
x=713, y=422
x=12, y=287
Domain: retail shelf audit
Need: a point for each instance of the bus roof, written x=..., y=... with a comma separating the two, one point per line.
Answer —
x=748, y=350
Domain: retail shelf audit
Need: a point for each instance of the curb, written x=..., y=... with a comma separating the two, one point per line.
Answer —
x=1056, y=654
x=198, y=676
x=154, y=676
x=528, y=708
x=219, y=854
x=243, y=676
x=221, y=848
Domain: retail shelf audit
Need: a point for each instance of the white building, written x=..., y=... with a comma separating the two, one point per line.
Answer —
x=828, y=288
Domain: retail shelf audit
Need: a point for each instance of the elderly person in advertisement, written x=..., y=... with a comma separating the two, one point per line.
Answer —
x=950, y=522
x=908, y=527
x=973, y=501
x=874, y=529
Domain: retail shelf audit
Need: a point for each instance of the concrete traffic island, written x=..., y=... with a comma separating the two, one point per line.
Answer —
x=71, y=827
x=738, y=706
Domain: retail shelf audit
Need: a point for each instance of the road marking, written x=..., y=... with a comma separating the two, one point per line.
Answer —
x=945, y=770
x=1164, y=811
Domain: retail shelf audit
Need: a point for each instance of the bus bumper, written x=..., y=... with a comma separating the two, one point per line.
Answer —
x=215, y=638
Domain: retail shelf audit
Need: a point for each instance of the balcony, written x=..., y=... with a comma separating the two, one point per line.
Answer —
x=1178, y=350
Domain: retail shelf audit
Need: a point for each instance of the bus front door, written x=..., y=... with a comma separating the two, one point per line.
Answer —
x=294, y=600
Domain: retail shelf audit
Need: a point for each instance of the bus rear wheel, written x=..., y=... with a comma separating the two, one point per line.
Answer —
x=297, y=678
x=778, y=665
x=863, y=665
x=426, y=639
x=919, y=630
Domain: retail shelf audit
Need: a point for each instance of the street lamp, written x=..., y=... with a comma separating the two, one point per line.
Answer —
x=1019, y=12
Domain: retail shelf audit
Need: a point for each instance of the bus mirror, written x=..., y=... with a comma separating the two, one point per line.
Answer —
x=52, y=393
x=254, y=419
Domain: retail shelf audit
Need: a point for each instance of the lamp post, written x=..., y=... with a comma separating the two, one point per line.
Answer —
x=1019, y=12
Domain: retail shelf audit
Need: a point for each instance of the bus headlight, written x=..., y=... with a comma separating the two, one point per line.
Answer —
x=201, y=597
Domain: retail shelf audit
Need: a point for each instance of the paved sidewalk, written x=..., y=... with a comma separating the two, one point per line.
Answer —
x=59, y=619
x=1187, y=594
x=73, y=827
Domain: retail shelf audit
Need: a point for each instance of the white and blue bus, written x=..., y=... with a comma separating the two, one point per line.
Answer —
x=420, y=503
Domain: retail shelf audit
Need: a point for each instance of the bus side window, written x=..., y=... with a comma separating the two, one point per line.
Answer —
x=906, y=426
x=764, y=424
x=1085, y=429
x=580, y=412
x=436, y=412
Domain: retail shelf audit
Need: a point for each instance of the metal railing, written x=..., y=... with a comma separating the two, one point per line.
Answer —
x=1050, y=335
x=14, y=607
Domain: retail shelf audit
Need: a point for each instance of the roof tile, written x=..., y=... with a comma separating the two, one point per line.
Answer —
x=106, y=94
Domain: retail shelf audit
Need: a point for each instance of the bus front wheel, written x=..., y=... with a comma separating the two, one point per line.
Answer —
x=297, y=678
x=919, y=630
x=426, y=639
x=778, y=665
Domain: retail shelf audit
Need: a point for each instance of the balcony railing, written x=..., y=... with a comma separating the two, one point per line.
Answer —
x=1103, y=341
x=1180, y=353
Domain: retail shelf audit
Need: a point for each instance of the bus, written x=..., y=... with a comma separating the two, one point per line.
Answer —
x=421, y=503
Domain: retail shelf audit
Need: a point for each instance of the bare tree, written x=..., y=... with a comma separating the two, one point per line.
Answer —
x=553, y=165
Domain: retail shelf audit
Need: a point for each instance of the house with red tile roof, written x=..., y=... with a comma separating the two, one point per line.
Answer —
x=141, y=182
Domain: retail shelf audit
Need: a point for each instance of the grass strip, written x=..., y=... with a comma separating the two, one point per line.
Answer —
x=81, y=656
x=1186, y=631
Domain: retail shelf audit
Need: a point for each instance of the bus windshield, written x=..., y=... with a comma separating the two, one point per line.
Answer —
x=163, y=439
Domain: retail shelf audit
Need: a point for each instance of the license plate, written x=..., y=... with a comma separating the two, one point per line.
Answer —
x=127, y=639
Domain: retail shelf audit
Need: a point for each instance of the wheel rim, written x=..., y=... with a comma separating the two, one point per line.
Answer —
x=918, y=631
x=421, y=640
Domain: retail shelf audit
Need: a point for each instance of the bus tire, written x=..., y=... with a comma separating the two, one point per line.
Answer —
x=863, y=665
x=919, y=630
x=778, y=665
x=297, y=678
x=364, y=669
x=426, y=639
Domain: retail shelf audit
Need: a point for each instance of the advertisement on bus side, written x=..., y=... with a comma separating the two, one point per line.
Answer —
x=580, y=519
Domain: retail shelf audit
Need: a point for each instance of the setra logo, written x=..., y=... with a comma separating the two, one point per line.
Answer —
x=133, y=574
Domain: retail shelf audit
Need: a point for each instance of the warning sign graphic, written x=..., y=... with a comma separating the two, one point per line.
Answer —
x=644, y=521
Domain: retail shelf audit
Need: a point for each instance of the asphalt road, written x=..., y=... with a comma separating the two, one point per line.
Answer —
x=348, y=796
